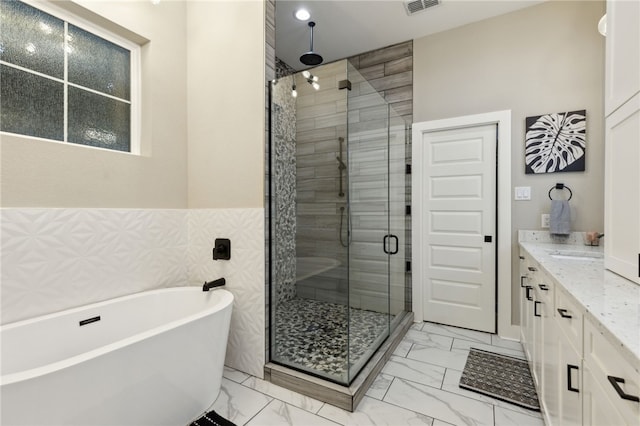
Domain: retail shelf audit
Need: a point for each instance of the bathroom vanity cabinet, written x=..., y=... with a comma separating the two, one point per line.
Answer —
x=574, y=358
x=551, y=347
x=622, y=139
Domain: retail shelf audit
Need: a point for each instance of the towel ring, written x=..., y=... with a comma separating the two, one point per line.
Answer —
x=561, y=186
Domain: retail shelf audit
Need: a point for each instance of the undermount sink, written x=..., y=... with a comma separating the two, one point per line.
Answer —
x=576, y=255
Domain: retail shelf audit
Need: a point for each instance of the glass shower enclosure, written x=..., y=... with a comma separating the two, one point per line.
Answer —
x=337, y=221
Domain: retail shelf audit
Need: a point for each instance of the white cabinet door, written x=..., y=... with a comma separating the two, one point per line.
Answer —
x=622, y=53
x=550, y=369
x=569, y=388
x=616, y=374
x=622, y=196
x=526, y=321
x=538, y=309
x=597, y=408
x=543, y=324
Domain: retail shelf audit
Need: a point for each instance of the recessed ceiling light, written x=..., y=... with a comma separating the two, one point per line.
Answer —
x=302, y=14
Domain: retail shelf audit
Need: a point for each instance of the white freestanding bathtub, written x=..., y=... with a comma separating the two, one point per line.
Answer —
x=151, y=358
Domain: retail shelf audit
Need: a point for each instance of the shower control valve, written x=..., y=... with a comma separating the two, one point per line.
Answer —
x=222, y=249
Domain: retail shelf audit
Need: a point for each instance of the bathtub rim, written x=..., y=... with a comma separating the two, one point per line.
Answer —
x=226, y=300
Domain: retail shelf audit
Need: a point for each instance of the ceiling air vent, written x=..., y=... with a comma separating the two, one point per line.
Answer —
x=415, y=6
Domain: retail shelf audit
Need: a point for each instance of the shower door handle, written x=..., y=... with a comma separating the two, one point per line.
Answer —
x=385, y=243
x=396, y=238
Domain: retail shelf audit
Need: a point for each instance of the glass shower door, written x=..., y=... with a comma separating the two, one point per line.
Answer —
x=336, y=221
x=399, y=198
x=309, y=219
x=371, y=244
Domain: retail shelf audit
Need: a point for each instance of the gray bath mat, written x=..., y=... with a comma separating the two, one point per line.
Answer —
x=500, y=376
x=212, y=419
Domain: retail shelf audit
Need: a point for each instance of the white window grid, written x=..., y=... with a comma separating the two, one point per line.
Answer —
x=134, y=61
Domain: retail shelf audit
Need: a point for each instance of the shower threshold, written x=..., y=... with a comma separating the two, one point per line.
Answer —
x=345, y=397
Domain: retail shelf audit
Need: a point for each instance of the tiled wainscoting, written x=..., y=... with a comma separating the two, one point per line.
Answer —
x=55, y=259
x=244, y=273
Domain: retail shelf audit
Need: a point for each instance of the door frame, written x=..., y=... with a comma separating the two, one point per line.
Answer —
x=503, y=198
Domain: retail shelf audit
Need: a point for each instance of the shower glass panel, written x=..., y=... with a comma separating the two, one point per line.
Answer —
x=399, y=198
x=337, y=188
x=371, y=243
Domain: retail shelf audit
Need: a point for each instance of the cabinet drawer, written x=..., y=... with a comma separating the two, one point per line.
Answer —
x=569, y=318
x=528, y=268
x=604, y=360
x=544, y=287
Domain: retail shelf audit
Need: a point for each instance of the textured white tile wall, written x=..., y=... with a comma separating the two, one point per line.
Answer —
x=55, y=259
x=244, y=274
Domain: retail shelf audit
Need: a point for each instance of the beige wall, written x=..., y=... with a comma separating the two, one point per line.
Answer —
x=36, y=173
x=226, y=107
x=543, y=59
x=203, y=124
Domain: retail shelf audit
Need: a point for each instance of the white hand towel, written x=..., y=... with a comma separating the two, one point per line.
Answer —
x=560, y=217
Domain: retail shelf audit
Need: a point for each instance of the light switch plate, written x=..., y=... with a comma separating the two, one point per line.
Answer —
x=522, y=193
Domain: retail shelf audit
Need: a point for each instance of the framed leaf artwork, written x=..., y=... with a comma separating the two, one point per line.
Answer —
x=555, y=142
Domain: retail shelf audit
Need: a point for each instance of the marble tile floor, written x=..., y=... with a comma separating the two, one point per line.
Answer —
x=418, y=386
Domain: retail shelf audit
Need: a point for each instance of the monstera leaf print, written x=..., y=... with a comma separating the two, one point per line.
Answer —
x=555, y=142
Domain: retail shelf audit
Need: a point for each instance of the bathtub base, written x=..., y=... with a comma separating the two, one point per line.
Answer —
x=345, y=397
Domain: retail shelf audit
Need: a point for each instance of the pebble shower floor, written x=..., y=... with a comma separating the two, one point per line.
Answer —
x=315, y=335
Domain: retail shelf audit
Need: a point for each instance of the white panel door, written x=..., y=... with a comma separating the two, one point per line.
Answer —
x=459, y=222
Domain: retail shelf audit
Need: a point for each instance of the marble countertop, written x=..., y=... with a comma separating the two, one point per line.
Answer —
x=609, y=299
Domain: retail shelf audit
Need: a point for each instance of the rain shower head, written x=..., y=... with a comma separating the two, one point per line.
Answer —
x=311, y=58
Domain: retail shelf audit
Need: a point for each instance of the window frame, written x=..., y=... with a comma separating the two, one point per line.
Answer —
x=135, y=90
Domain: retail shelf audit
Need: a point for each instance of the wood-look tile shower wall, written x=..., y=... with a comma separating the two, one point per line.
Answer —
x=390, y=72
x=321, y=121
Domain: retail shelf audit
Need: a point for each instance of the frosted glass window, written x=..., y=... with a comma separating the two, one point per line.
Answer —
x=31, y=38
x=96, y=120
x=31, y=105
x=64, y=80
x=98, y=64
